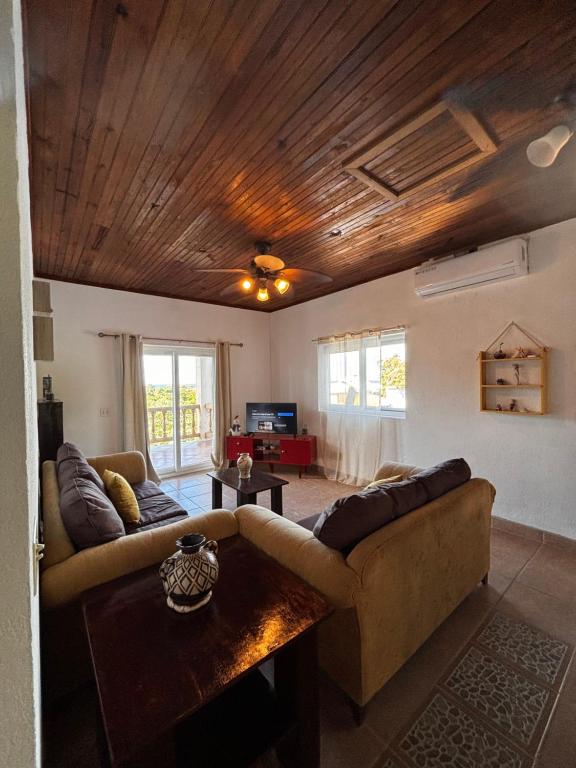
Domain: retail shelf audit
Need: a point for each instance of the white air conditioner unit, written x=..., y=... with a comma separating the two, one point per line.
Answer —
x=487, y=265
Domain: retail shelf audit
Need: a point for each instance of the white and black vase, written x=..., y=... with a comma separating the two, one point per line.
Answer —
x=189, y=574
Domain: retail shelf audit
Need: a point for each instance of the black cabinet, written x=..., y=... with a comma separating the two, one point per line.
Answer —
x=50, y=428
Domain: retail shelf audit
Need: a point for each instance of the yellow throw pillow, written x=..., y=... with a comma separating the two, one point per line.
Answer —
x=384, y=481
x=122, y=496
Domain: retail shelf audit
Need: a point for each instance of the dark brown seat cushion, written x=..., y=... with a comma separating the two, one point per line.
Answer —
x=347, y=521
x=156, y=508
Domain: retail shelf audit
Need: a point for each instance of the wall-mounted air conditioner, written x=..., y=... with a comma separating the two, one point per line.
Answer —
x=487, y=265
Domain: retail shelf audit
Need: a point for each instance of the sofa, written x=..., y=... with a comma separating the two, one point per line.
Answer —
x=390, y=592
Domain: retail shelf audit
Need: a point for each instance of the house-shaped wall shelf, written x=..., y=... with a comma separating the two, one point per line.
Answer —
x=514, y=374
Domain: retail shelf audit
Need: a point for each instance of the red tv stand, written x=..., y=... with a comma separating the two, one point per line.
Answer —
x=274, y=449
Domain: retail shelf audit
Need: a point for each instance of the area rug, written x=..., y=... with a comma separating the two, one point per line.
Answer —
x=491, y=707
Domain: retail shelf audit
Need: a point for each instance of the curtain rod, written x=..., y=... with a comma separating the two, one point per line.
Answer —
x=102, y=335
x=365, y=331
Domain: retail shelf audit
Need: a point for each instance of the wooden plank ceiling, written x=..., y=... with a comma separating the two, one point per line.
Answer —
x=170, y=135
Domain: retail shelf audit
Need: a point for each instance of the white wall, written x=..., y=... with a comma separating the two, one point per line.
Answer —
x=19, y=648
x=530, y=460
x=85, y=368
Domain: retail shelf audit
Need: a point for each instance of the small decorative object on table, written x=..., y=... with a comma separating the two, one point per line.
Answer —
x=304, y=429
x=244, y=464
x=47, y=393
x=189, y=574
x=235, y=429
x=500, y=355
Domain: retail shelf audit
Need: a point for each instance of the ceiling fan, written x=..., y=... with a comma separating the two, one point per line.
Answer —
x=266, y=271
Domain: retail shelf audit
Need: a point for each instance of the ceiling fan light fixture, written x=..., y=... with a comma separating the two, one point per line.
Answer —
x=263, y=294
x=281, y=285
x=247, y=284
x=543, y=152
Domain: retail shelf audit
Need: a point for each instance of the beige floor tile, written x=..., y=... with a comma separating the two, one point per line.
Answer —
x=558, y=749
x=554, y=615
x=552, y=570
x=509, y=553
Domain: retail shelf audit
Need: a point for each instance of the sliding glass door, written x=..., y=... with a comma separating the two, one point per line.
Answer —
x=180, y=402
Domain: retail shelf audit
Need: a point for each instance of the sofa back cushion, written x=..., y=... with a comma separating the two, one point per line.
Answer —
x=347, y=521
x=88, y=514
x=72, y=464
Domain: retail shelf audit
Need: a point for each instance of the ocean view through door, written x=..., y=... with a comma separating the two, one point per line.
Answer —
x=179, y=402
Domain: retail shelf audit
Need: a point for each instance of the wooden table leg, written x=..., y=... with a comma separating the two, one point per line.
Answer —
x=296, y=683
x=245, y=498
x=276, y=499
x=216, y=494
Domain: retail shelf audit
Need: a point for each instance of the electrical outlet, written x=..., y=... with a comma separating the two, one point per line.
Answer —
x=104, y=412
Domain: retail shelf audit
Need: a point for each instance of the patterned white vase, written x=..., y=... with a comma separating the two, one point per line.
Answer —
x=244, y=464
x=189, y=575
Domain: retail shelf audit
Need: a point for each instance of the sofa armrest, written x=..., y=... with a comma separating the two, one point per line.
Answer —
x=66, y=581
x=391, y=469
x=130, y=464
x=414, y=572
x=300, y=551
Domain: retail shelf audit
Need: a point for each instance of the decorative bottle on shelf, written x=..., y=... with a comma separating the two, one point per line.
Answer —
x=244, y=464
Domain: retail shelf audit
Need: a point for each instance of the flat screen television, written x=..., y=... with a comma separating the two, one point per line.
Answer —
x=279, y=418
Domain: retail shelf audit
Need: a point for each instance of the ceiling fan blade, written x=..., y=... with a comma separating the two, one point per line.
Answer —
x=236, y=271
x=234, y=290
x=305, y=276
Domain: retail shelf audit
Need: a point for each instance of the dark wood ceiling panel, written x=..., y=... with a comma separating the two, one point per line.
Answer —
x=167, y=135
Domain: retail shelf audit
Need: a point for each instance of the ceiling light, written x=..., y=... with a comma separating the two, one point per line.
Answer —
x=263, y=294
x=281, y=285
x=247, y=284
x=543, y=151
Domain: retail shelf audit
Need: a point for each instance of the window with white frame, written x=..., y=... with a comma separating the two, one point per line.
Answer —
x=363, y=373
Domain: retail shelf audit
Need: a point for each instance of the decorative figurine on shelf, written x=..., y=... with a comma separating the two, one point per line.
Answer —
x=500, y=355
x=501, y=382
x=520, y=353
x=498, y=407
x=235, y=429
x=513, y=405
x=517, y=374
x=47, y=393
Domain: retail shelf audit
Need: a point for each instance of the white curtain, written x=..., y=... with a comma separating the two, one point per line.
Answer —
x=223, y=404
x=354, y=447
x=361, y=399
x=135, y=420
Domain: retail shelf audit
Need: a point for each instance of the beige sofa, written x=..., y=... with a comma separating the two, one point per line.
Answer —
x=391, y=591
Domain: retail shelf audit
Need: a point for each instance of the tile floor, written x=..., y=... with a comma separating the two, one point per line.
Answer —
x=529, y=581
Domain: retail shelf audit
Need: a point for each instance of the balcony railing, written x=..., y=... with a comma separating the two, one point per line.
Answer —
x=195, y=423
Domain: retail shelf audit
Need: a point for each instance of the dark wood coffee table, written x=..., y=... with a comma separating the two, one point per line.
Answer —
x=247, y=490
x=156, y=669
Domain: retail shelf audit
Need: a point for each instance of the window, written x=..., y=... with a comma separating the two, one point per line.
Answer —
x=363, y=374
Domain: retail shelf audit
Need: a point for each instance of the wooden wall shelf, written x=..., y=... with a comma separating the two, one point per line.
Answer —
x=532, y=390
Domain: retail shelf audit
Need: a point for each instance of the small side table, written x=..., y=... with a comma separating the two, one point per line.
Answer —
x=247, y=490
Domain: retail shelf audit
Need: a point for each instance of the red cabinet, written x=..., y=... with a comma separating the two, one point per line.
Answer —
x=273, y=449
x=237, y=445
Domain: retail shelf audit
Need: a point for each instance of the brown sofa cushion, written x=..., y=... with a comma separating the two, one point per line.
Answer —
x=156, y=508
x=88, y=514
x=347, y=521
x=71, y=464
